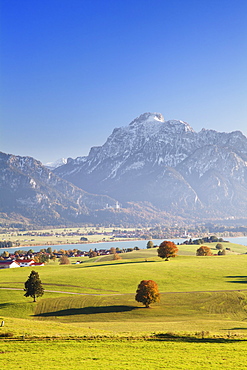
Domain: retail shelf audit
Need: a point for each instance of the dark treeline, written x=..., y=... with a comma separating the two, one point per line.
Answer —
x=210, y=239
x=5, y=244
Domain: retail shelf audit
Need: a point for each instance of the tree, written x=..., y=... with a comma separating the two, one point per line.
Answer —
x=64, y=260
x=84, y=239
x=112, y=250
x=147, y=292
x=222, y=252
x=33, y=286
x=219, y=246
x=41, y=257
x=204, y=251
x=116, y=257
x=167, y=249
x=150, y=244
x=92, y=254
x=5, y=254
x=213, y=239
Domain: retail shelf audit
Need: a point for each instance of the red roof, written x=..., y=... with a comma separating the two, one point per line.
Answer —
x=4, y=263
x=24, y=261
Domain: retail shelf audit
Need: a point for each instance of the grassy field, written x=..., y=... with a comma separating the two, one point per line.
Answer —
x=125, y=354
x=62, y=236
x=200, y=322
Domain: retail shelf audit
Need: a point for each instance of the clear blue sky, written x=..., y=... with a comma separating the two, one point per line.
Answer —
x=73, y=70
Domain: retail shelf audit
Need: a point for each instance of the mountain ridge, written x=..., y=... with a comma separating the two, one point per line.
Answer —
x=135, y=160
x=159, y=171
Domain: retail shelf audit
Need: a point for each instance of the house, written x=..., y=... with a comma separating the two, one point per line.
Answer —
x=8, y=264
x=25, y=262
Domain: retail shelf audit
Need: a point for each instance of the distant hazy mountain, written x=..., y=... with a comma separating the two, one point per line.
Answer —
x=168, y=165
x=57, y=163
x=31, y=191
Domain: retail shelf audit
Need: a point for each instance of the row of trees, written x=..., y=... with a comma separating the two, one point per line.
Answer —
x=206, y=239
x=6, y=244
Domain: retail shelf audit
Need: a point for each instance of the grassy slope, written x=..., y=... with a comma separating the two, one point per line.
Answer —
x=184, y=273
x=114, y=312
x=115, y=282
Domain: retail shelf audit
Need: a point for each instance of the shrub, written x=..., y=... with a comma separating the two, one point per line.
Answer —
x=64, y=260
x=204, y=251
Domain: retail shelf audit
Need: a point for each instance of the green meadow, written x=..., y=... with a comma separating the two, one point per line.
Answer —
x=62, y=236
x=88, y=315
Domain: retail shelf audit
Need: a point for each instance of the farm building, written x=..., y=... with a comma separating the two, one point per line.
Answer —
x=8, y=264
x=25, y=262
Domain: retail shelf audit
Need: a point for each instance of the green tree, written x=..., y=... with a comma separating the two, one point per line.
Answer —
x=147, y=292
x=167, y=249
x=213, y=238
x=150, y=244
x=33, y=286
x=219, y=246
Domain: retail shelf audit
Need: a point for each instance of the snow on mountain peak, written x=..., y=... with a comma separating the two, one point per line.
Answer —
x=151, y=119
x=180, y=125
x=57, y=163
x=148, y=117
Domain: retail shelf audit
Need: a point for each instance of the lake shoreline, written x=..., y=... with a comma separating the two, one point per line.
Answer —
x=122, y=244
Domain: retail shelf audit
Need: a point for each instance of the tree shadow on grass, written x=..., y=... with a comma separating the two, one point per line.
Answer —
x=238, y=279
x=88, y=311
x=114, y=263
x=4, y=305
x=199, y=338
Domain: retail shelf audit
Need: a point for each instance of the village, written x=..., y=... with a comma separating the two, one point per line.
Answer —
x=30, y=258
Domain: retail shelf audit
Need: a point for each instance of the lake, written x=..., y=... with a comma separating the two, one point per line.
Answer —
x=142, y=244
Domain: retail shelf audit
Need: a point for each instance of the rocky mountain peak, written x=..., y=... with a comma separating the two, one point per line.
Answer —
x=169, y=165
x=147, y=117
x=179, y=126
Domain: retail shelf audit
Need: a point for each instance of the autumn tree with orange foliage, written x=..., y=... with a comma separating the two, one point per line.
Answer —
x=147, y=292
x=167, y=249
x=204, y=251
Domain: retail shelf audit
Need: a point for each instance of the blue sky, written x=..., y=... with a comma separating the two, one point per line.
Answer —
x=71, y=71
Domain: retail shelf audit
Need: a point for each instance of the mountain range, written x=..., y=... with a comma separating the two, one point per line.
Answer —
x=156, y=170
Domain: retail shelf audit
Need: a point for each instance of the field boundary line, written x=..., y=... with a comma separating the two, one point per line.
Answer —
x=113, y=294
